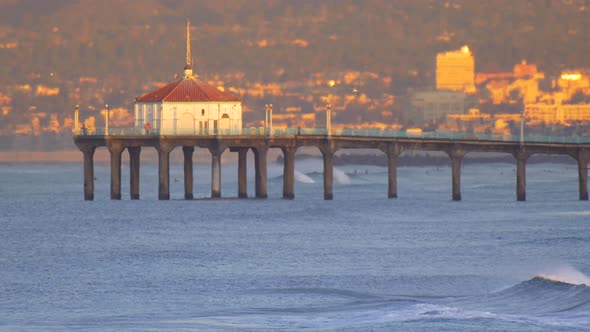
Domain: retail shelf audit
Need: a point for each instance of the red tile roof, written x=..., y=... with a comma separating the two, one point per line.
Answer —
x=189, y=89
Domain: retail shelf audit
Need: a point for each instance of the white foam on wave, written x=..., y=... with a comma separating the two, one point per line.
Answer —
x=341, y=177
x=348, y=318
x=566, y=274
x=345, y=318
x=303, y=167
x=303, y=178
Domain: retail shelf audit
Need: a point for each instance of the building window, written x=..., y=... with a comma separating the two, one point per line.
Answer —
x=203, y=112
x=225, y=116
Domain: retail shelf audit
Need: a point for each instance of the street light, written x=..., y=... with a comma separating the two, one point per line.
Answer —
x=76, y=119
x=107, y=119
x=329, y=119
x=268, y=117
x=333, y=85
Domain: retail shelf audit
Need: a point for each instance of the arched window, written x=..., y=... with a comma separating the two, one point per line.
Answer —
x=225, y=116
x=203, y=112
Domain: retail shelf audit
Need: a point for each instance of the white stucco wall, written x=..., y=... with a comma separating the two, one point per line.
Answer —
x=177, y=118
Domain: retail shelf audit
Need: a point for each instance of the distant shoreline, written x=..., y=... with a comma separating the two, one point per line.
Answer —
x=22, y=157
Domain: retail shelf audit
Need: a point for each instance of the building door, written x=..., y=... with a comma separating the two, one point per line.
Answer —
x=186, y=124
x=225, y=123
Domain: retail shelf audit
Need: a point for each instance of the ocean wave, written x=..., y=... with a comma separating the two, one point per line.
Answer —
x=569, y=240
x=561, y=280
x=538, y=301
x=303, y=178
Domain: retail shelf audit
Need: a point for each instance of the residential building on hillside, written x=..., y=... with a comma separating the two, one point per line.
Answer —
x=557, y=113
x=431, y=106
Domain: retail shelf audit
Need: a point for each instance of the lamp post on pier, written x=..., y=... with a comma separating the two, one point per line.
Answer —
x=106, y=131
x=522, y=116
x=77, y=119
x=329, y=119
x=268, y=118
x=335, y=87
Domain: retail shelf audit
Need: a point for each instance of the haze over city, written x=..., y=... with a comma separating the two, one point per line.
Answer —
x=376, y=62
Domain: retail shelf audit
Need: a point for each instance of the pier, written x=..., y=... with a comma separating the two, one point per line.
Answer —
x=260, y=140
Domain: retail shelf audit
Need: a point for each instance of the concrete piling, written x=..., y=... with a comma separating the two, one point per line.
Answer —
x=215, y=172
x=328, y=156
x=88, y=151
x=456, y=158
x=289, y=172
x=583, y=157
x=260, y=153
x=521, y=176
x=164, y=172
x=242, y=173
x=188, y=171
x=392, y=152
x=134, y=166
x=115, y=151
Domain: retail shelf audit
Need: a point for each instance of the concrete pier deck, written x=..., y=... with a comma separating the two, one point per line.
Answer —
x=289, y=142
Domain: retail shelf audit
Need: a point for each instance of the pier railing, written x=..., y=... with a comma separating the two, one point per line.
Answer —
x=278, y=132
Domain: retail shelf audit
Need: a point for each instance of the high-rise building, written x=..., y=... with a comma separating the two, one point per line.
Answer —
x=455, y=71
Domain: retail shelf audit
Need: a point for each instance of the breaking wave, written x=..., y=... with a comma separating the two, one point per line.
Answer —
x=539, y=301
x=303, y=178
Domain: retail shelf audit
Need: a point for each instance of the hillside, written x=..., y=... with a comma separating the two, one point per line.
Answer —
x=121, y=47
x=136, y=38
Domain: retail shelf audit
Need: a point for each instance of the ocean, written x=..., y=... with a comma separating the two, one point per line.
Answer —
x=361, y=262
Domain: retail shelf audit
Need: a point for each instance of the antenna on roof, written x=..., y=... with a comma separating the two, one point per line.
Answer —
x=188, y=43
x=188, y=69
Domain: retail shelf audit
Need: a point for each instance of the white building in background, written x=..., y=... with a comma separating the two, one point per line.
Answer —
x=455, y=71
x=557, y=113
x=432, y=106
x=188, y=106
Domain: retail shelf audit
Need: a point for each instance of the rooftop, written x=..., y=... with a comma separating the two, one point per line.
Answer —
x=188, y=89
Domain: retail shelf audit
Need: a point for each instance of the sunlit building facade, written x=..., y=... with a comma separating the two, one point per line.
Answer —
x=455, y=71
x=557, y=113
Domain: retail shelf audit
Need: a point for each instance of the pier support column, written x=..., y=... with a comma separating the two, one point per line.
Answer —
x=260, y=171
x=188, y=171
x=164, y=171
x=328, y=155
x=88, y=151
x=392, y=151
x=216, y=172
x=242, y=173
x=115, y=150
x=289, y=172
x=134, y=161
x=521, y=158
x=583, y=157
x=456, y=158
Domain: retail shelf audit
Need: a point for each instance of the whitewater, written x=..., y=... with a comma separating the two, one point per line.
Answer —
x=361, y=262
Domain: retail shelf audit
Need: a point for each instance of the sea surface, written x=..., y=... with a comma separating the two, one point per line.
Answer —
x=361, y=262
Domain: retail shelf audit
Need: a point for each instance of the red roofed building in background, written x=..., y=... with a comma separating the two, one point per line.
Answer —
x=189, y=106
